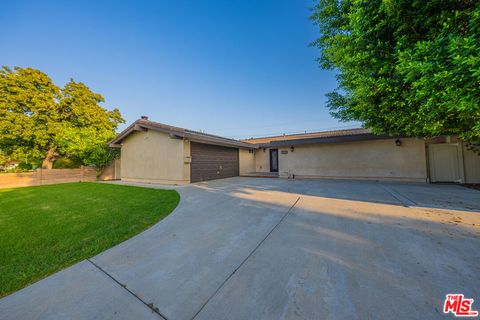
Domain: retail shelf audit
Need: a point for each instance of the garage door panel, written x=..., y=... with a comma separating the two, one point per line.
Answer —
x=213, y=162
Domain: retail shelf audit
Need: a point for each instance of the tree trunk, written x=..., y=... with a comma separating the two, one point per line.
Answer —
x=49, y=158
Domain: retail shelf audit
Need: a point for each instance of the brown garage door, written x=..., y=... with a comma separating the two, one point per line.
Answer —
x=212, y=162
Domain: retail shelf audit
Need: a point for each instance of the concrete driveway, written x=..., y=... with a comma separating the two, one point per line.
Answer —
x=252, y=248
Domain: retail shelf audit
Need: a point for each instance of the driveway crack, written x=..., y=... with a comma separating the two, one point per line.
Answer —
x=248, y=257
x=406, y=202
x=149, y=305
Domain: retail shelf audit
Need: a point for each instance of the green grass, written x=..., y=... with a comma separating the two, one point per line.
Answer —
x=47, y=228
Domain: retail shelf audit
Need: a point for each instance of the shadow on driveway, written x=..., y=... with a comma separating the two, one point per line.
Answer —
x=244, y=248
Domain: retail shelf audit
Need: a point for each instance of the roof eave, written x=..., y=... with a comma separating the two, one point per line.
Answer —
x=116, y=142
x=320, y=140
x=220, y=142
x=178, y=133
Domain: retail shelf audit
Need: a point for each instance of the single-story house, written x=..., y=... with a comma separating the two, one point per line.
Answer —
x=153, y=152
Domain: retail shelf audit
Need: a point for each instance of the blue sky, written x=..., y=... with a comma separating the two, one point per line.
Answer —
x=234, y=68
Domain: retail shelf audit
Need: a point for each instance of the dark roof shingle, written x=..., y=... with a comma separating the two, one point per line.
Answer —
x=319, y=134
x=179, y=133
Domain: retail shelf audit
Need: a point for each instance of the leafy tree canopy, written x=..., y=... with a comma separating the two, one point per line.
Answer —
x=40, y=121
x=404, y=66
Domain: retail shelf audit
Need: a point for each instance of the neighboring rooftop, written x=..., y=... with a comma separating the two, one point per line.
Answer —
x=319, y=134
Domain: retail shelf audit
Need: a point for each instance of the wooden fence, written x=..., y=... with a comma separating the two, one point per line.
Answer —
x=111, y=172
x=44, y=176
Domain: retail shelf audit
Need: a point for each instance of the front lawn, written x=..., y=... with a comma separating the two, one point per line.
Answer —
x=47, y=228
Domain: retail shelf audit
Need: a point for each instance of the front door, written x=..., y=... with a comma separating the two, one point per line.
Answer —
x=273, y=160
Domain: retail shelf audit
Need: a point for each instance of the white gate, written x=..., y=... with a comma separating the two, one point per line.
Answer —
x=446, y=163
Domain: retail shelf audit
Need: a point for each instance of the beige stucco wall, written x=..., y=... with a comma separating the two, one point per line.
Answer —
x=262, y=160
x=246, y=161
x=376, y=159
x=154, y=157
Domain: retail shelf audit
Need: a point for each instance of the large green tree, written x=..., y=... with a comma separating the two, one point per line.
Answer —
x=404, y=66
x=40, y=121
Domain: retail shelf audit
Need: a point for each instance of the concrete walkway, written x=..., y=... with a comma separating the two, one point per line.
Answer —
x=253, y=248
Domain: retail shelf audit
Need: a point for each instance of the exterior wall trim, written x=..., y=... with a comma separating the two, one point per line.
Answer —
x=350, y=138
